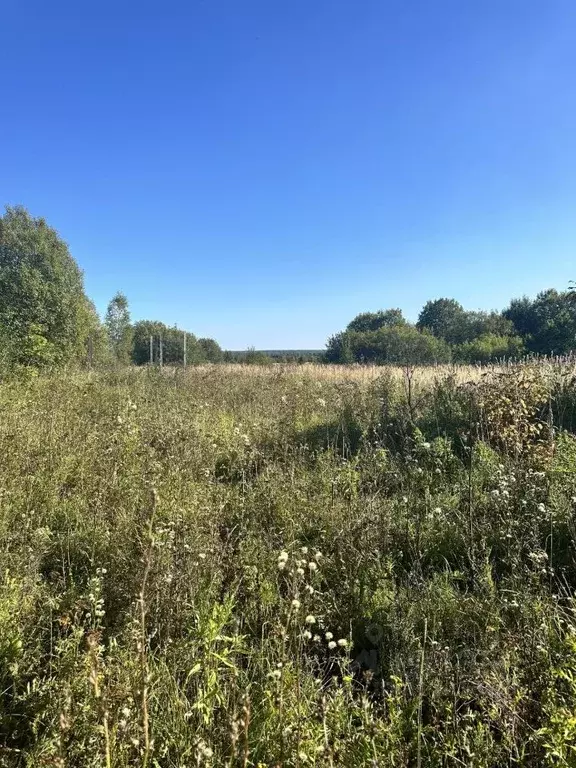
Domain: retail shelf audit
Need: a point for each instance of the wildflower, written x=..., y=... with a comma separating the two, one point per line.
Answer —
x=541, y=508
x=437, y=511
x=312, y=566
x=318, y=554
x=281, y=565
x=283, y=556
x=316, y=638
x=342, y=642
x=405, y=499
x=307, y=635
x=304, y=550
x=331, y=645
x=309, y=588
x=310, y=619
x=426, y=446
x=276, y=674
x=300, y=571
x=295, y=604
x=328, y=635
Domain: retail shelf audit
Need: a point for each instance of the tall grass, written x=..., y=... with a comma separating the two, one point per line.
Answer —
x=312, y=566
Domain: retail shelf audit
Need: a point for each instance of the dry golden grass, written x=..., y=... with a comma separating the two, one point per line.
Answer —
x=358, y=373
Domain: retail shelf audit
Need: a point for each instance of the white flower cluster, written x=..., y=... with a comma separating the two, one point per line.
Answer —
x=204, y=751
x=95, y=595
x=301, y=564
x=333, y=644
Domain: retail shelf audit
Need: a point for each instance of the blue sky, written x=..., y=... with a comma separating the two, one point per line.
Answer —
x=260, y=171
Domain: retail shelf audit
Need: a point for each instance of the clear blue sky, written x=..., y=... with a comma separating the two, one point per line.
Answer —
x=260, y=171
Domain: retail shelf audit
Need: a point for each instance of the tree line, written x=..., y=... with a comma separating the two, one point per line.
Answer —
x=446, y=332
x=151, y=341
x=46, y=319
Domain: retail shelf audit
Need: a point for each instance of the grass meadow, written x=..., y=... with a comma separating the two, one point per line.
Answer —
x=289, y=566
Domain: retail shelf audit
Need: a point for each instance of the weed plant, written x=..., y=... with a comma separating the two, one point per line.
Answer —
x=288, y=567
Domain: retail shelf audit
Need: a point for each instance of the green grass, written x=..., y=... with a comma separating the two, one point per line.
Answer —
x=288, y=569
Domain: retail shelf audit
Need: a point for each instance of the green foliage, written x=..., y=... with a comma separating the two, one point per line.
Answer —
x=448, y=320
x=444, y=318
x=398, y=343
x=44, y=314
x=487, y=323
x=548, y=323
x=372, y=321
x=172, y=344
x=254, y=357
x=488, y=347
x=120, y=332
x=339, y=349
x=211, y=350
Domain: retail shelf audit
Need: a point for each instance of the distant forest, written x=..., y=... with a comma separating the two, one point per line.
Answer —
x=46, y=320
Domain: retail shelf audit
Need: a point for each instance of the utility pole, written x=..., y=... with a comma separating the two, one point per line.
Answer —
x=161, y=352
x=151, y=350
x=184, y=349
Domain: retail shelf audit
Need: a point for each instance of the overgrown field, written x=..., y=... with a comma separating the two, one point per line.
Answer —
x=221, y=567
